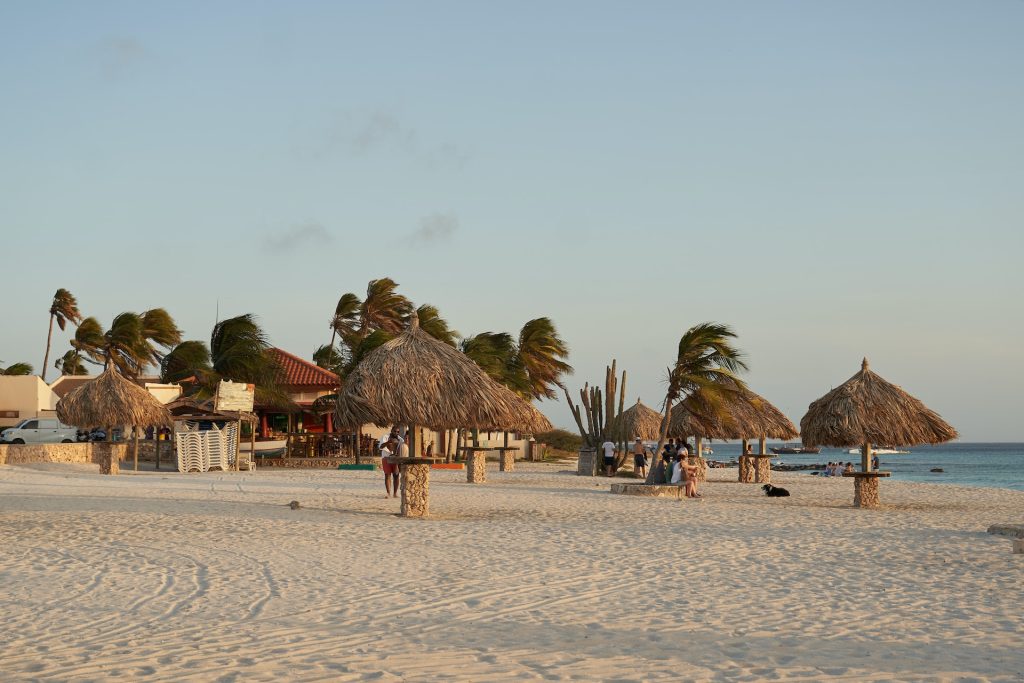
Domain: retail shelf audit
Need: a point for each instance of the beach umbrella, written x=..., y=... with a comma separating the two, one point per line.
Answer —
x=742, y=414
x=867, y=410
x=638, y=421
x=415, y=379
x=112, y=400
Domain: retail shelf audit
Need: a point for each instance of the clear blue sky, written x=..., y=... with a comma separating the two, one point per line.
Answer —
x=833, y=179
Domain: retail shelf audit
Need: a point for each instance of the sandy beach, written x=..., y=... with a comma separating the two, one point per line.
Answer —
x=538, y=574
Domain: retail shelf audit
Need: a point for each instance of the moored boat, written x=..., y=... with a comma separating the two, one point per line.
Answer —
x=794, y=450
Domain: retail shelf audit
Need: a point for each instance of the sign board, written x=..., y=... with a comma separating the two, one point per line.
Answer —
x=9, y=413
x=234, y=396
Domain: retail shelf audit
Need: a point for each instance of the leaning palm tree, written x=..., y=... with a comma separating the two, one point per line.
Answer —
x=188, y=359
x=432, y=323
x=131, y=344
x=63, y=308
x=16, y=369
x=383, y=308
x=541, y=352
x=707, y=364
x=497, y=355
x=344, y=322
x=71, y=363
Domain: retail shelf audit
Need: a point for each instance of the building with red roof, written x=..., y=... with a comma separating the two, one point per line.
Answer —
x=305, y=382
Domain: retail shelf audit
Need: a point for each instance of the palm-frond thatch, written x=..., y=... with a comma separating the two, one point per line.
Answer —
x=112, y=400
x=868, y=409
x=416, y=379
x=742, y=414
x=638, y=421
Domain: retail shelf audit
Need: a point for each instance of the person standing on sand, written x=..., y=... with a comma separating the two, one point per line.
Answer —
x=390, y=468
x=640, y=457
x=609, y=457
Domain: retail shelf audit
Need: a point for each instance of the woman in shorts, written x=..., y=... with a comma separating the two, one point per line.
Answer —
x=390, y=468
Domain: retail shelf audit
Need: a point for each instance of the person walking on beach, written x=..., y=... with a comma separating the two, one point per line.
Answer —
x=609, y=457
x=640, y=457
x=390, y=468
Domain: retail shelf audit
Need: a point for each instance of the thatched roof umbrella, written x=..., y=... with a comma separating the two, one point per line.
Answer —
x=639, y=421
x=112, y=400
x=417, y=380
x=867, y=410
x=743, y=415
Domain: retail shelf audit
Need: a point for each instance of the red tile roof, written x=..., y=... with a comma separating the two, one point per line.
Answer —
x=298, y=372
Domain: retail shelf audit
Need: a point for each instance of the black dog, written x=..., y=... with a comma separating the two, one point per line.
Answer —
x=775, y=491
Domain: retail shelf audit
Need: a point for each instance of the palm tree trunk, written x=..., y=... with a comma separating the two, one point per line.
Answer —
x=46, y=357
x=655, y=473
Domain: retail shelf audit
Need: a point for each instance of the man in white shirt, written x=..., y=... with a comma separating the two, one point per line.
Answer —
x=609, y=457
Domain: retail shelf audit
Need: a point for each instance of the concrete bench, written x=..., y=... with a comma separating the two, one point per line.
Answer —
x=1014, y=531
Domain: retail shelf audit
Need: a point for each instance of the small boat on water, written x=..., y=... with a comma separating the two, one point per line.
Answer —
x=881, y=450
x=794, y=450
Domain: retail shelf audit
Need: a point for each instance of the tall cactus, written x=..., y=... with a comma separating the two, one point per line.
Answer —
x=598, y=408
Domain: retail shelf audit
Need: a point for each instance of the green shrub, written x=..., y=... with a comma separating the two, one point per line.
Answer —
x=561, y=439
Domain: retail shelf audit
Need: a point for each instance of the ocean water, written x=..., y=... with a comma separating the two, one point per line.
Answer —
x=999, y=465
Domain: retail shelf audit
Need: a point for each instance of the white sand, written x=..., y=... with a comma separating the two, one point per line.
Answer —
x=537, y=574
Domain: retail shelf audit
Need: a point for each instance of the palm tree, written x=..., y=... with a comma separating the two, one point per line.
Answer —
x=344, y=323
x=16, y=369
x=540, y=352
x=187, y=359
x=131, y=343
x=71, y=364
x=383, y=308
x=63, y=308
x=432, y=323
x=497, y=355
x=363, y=325
x=706, y=363
x=331, y=358
x=239, y=351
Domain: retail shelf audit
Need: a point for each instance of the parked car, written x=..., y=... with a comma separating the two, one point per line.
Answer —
x=39, y=430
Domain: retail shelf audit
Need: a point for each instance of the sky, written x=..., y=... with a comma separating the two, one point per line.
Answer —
x=834, y=180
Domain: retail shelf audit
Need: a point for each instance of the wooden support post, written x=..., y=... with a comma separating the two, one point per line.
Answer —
x=135, y=447
x=865, y=458
x=761, y=446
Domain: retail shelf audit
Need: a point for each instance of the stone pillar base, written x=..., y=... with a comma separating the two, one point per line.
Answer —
x=865, y=492
x=108, y=455
x=507, y=463
x=476, y=467
x=415, y=490
x=762, y=470
x=746, y=470
x=702, y=468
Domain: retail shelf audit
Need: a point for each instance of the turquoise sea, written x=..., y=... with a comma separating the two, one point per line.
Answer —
x=999, y=465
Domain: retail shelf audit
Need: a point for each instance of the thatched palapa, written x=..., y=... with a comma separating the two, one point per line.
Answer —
x=639, y=421
x=112, y=400
x=742, y=415
x=416, y=379
x=866, y=409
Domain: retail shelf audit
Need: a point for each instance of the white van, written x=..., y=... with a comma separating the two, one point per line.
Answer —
x=39, y=430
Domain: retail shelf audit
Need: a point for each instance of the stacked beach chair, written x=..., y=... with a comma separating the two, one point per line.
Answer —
x=201, y=451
